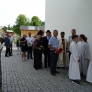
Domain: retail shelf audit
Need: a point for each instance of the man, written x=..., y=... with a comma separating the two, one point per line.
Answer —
x=7, y=44
x=45, y=41
x=29, y=46
x=73, y=32
x=62, y=55
x=54, y=46
x=11, y=41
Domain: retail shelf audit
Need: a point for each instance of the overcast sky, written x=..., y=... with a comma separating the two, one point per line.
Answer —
x=10, y=9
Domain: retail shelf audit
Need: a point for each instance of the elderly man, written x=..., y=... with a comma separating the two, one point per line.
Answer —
x=11, y=41
x=73, y=32
x=54, y=46
x=7, y=44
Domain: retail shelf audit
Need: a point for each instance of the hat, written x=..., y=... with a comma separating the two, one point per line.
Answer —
x=48, y=31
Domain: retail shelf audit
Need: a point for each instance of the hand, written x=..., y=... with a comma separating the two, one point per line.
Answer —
x=79, y=60
x=63, y=42
x=56, y=49
x=39, y=48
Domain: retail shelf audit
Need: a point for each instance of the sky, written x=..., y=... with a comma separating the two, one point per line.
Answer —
x=10, y=9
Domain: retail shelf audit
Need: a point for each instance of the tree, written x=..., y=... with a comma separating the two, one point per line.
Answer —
x=20, y=20
x=35, y=21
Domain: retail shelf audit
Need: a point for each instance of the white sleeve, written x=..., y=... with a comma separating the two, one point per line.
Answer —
x=74, y=52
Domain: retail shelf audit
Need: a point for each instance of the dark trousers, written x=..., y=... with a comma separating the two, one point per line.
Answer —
x=37, y=59
x=11, y=49
x=46, y=58
x=29, y=52
x=7, y=51
x=53, y=61
x=69, y=55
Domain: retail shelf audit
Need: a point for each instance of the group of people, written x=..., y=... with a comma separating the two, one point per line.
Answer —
x=77, y=47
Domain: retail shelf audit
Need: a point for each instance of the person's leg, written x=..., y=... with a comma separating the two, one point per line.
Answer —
x=28, y=52
x=9, y=51
x=52, y=62
x=31, y=52
x=55, y=60
x=6, y=51
x=24, y=56
x=45, y=59
x=48, y=57
x=64, y=60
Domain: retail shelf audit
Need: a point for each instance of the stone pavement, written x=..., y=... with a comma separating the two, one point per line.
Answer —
x=18, y=76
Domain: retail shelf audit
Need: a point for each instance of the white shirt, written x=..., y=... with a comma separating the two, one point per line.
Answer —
x=30, y=40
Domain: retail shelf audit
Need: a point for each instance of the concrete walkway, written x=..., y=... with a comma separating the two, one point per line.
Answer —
x=18, y=76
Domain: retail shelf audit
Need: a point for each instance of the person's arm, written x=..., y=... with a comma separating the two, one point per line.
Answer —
x=34, y=45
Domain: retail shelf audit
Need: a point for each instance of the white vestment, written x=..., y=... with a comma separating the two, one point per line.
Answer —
x=79, y=48
x=61, y=60
x=89, y=72
x=74, y=71
x=85, y=54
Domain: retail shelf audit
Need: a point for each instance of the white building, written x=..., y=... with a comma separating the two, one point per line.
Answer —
x=65, y=15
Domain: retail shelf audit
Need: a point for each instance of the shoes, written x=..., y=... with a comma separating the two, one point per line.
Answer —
x=31, y=57
x=11, y=55
x=75, y=81
x=6, y=56
x=57, y=72
x=53, y=74
x=63, y=67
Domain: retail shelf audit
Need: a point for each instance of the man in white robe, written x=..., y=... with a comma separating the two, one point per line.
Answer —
x=74, y=71
x=62, y=56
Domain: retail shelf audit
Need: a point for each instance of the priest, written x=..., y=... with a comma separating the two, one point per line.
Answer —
x=62, y=56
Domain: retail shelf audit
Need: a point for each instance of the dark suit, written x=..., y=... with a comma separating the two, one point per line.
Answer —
x=46, y=51
x=7, y=44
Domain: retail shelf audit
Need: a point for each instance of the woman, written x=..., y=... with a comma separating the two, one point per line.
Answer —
x=23, y=43
x=37, y=52
x=18, y=46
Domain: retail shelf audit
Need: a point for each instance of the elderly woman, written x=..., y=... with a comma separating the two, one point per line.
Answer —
x=37, y=52
x=23, y=43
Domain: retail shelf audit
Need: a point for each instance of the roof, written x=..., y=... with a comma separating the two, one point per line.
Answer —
x=9, y=31
x=32, y=27
x=1, y=27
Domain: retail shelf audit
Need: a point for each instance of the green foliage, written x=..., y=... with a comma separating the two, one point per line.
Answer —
x=35, y=21
x=20, y=20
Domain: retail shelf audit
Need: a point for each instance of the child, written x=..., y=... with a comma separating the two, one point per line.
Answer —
x=74, y=71
x=89, y=73
x=85, y=55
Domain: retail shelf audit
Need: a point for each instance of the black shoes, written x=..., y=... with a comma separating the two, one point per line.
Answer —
x=75, y=81
x=57, y=72
x=53, y=74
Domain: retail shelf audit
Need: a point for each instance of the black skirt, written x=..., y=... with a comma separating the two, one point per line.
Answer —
x=37, y=59
x=24, y=49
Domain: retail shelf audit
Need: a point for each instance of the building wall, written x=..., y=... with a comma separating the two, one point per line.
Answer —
x=64, y=15
x=33, y=32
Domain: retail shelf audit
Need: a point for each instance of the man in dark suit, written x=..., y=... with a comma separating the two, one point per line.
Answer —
x=45, y=41
x=7, y=44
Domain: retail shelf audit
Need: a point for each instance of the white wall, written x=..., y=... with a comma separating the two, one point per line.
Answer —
x=64, y=15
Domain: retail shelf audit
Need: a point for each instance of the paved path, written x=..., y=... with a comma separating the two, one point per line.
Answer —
x=18, y=76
